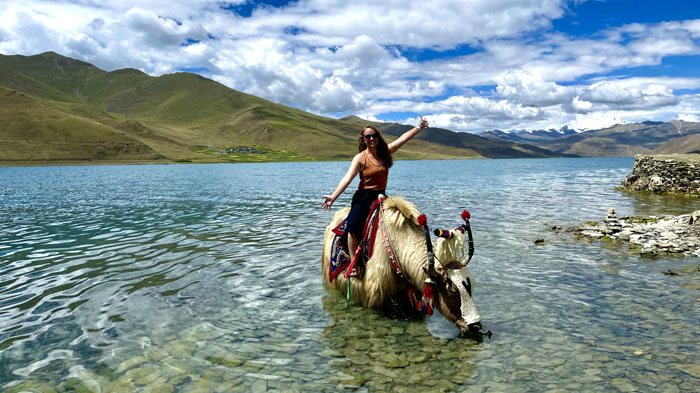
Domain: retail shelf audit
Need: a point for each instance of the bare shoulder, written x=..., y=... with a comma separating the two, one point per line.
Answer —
x=360, y=158
x=358, y=161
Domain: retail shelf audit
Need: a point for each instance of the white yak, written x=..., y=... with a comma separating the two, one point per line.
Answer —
x=380, y=287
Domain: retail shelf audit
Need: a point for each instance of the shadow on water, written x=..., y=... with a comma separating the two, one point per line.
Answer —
x=648, y=203
x=374, y=351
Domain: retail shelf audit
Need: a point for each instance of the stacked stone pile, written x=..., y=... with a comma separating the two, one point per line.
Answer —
x=612, y=224
x=665, y=174
x=651, y=235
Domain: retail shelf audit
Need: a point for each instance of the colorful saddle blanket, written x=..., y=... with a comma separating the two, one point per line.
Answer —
x=340, y=258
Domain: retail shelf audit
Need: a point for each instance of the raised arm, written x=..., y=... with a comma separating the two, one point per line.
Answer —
x=406, y=136
x=355, y=167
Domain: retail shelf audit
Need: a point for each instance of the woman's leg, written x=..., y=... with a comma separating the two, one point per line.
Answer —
x=352, y=245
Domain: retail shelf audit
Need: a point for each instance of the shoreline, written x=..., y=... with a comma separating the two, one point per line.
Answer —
x=23, y=163
x=673, y=174
x=39, y=163
x=649, y=236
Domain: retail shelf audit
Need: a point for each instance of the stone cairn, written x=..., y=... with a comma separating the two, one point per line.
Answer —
x=651, y=235
x=611, y=223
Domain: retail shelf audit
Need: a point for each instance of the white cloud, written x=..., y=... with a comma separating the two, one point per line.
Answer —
x=530, y=90
x=616, y=96
x=336, y=96
x=335, y=56
x=153, y=30
x=440, y=23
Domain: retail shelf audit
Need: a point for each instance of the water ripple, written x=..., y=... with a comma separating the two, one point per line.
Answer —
x=103, y=267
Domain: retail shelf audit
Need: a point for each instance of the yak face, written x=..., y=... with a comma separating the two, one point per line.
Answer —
x=454, y=285
x=462, y=281
x=455, y=299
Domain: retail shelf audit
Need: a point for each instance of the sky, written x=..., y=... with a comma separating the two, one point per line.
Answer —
x=465, y=65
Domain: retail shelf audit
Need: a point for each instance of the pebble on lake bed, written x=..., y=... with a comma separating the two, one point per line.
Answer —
x=653, y=235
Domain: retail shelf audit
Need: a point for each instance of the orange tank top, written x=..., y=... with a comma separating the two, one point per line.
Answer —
x=373, y=177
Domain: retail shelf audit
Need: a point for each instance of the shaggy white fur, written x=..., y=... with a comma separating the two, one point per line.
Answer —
x=378, y=286
x=450, y=251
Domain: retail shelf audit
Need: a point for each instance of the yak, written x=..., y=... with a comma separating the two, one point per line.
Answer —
x=380, y=287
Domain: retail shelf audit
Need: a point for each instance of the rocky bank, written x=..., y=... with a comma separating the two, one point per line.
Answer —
x=676, y=174
x=653, y=235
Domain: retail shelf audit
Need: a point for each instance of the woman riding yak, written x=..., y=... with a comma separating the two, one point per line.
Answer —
x=372, y=163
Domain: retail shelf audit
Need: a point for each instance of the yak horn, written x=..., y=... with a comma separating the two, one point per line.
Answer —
x=465, y=261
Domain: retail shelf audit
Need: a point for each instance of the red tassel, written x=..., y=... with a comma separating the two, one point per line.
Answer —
x=466, y=215
x=422, y=220
x=426, y=304
x=412, y=299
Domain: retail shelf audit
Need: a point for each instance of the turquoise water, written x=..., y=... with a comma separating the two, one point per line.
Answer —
x=203, y=278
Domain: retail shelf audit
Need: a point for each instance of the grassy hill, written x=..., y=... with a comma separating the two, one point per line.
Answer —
x=54, y=109
x=689, y=144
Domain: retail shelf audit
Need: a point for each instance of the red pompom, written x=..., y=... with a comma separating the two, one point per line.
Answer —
x=426, y=303
x=466, y=215
x=422, y=220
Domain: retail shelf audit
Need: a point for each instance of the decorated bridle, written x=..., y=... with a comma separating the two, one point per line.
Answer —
x=426, y=303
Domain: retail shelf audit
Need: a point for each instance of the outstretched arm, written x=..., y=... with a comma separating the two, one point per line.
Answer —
x=355, y=167
x=406, y=136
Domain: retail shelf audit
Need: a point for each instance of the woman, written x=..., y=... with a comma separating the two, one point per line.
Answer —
x=372, y=163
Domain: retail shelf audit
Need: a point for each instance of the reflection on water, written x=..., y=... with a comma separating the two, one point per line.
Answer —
x=203, y=278
x=395, y=354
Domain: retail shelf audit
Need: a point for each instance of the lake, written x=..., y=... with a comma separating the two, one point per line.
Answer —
x=207, y=278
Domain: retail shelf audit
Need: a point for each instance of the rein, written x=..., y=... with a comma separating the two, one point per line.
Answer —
x=393, y=259
x=426, y=301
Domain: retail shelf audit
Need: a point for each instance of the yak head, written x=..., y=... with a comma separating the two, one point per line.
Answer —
x=453, y=284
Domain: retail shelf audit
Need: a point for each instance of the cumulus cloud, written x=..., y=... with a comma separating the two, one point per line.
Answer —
x=152, y=29
x=335, y=56
x=689, y=118
x=336, y=96
x=530, y=90
x=619, y=97
x=442, y=23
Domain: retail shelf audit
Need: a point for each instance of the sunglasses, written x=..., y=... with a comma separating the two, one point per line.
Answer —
x=370, y=136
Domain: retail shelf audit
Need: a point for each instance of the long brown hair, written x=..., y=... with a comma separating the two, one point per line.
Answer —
x=383, y=152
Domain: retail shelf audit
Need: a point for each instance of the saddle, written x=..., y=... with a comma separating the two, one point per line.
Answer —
x=340, y=256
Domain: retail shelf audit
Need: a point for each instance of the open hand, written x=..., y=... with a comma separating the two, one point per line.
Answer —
x=327, y=203
x=423, y=123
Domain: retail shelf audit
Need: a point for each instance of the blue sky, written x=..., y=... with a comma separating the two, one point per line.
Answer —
x=466, y=65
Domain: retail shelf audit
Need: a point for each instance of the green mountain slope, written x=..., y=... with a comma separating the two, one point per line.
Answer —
x=35, y=129
x=57, y=108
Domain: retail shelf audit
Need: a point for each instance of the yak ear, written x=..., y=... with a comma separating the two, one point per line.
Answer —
x=440, y=268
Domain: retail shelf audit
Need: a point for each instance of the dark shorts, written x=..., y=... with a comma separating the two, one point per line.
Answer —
x=359, y=210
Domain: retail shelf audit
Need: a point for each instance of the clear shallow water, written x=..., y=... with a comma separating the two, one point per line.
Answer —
x=202, y=278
